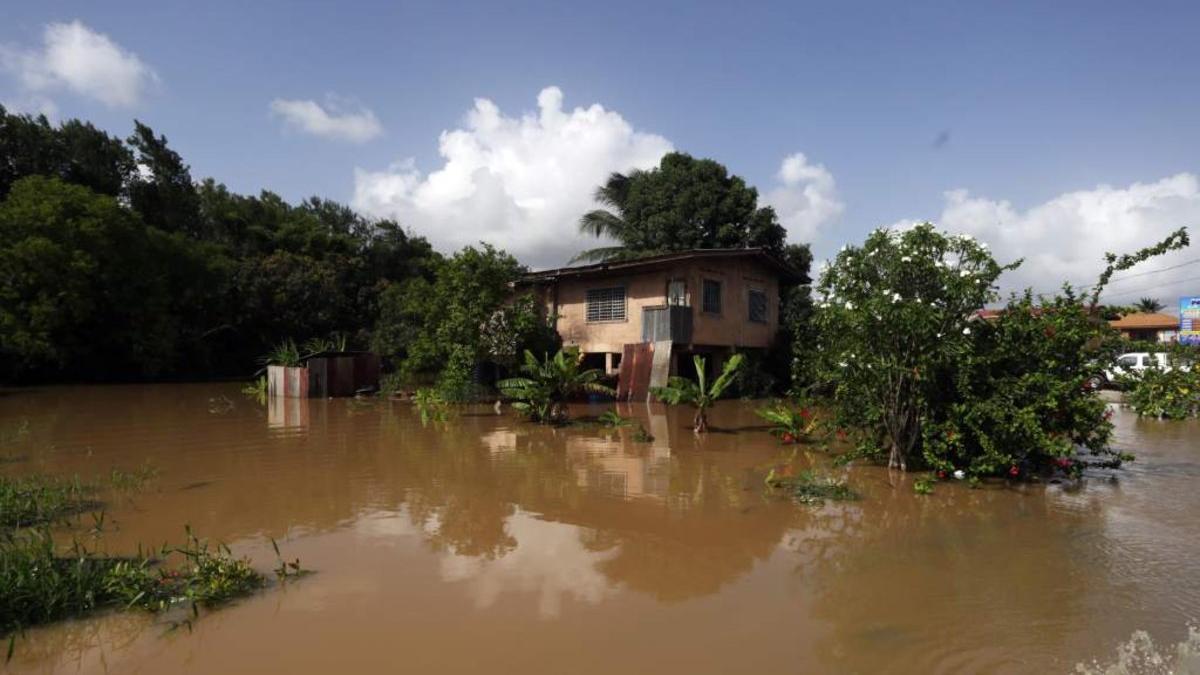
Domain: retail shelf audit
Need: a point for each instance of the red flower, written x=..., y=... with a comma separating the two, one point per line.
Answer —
x=1064, y=462
x=1014, y=471
x=941, y=475
x=804, y=413
x=788, y=438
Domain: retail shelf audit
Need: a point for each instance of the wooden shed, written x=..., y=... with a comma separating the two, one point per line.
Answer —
x=325, y=374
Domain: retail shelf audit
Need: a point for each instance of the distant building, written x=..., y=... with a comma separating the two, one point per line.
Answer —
x=1155, y=327
x=657, y=309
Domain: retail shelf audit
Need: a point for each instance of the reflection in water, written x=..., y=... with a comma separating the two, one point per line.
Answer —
x=551, y=562
x=526, y=542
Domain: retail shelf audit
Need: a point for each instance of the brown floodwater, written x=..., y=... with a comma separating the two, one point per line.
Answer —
x=488, y=544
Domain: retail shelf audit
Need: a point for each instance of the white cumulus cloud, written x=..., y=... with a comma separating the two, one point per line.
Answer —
x=329, y=121
x=519, y=182
x=77, y=59
x=1065, y=238
x=805, y=198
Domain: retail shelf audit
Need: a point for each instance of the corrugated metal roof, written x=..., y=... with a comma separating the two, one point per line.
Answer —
x=649, y=261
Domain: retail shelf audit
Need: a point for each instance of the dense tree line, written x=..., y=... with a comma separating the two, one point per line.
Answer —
x=116, y=264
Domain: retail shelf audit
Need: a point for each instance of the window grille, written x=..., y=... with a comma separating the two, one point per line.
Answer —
x=758, y=306
x=606, y=304
x=712, y=296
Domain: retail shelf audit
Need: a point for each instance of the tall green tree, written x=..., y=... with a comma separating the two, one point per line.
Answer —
x=683, y=203
x=81, y=284
x=162, y=190
x=432, y=330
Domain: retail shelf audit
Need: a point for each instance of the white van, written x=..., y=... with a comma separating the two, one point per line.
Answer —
x=1134, y=363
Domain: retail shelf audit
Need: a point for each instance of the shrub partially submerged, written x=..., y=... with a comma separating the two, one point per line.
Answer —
x=1166, y=393
x=905, y=359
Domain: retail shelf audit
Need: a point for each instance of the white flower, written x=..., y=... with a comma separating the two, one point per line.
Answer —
x=939, y=335
x=906, y=259
x=964, y=273
x=967, y=331
x=895, y=298
x=842, y=364
x=960, y=474
x=849, y=305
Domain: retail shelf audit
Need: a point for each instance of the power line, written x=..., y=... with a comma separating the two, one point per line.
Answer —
x=1165, y=269
x=1150, y=288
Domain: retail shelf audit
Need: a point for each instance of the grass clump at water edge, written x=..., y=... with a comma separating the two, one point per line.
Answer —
x=41, y=582
x=34, y=500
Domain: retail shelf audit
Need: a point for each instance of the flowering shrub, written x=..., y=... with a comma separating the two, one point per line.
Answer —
x=1021, y=398
x=905, y=358
x=895, y=322
x=1166, y=393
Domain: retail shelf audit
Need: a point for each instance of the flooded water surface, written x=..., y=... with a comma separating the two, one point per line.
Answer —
x=487, y=544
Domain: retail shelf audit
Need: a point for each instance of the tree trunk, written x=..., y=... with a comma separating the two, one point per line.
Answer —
x=700, y=422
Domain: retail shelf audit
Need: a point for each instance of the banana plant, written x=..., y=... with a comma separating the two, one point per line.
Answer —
x=699, y=394
x=545, y=386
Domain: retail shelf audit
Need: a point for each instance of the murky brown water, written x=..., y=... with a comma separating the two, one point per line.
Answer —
x=492, y=545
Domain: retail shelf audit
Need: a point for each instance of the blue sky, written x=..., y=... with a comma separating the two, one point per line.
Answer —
x=1067, y=128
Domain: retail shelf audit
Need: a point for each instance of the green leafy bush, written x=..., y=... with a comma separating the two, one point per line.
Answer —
x=544, y=387
x=1172, y=393
x=904, y=358
x=791, y=423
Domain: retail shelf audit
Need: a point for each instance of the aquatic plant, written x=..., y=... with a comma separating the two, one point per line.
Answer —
x=545, y=386
x=133, y=480
x=699, y=394
x=923, y=485
x=790, y=423
x=640, y=435
x=807, y=487
x=431, y=406
x=257, y=389
x=33, y=500
x=612, y=418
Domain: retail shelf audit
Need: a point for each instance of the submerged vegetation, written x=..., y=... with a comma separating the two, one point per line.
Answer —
x=542, y=390
x=35, y=500
x=808, y=487
x=791, y=423
x=699, y=394
x=41, y=581
x=1167, y=393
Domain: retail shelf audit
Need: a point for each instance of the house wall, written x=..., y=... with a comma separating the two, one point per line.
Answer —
x=730, y=328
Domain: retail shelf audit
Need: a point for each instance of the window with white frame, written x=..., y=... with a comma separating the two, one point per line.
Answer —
x=606, y=304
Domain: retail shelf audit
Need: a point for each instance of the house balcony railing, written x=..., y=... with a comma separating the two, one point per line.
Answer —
x=667, y=322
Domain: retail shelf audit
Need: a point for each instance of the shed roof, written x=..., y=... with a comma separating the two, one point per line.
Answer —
x=1146, y=321
x=637, y=264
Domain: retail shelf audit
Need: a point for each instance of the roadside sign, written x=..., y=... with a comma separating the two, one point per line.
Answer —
x=1189, y=321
